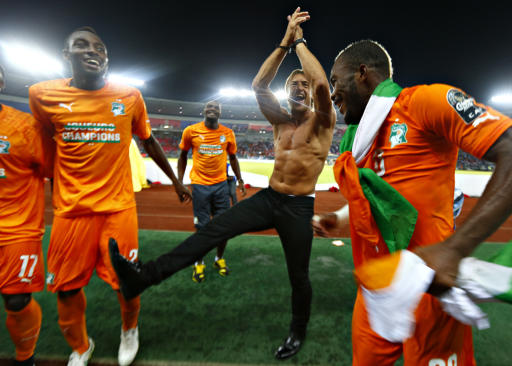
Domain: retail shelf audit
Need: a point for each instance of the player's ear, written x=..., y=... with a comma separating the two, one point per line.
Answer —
x=65, y=53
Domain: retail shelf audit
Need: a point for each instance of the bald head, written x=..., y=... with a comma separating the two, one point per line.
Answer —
x=212, y=110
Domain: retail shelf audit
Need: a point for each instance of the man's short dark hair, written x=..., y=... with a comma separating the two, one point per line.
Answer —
x=85, y=28
x=370, y=53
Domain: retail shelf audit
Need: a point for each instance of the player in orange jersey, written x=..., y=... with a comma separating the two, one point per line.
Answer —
x=415, y=151
x=92, y=121
x=210, y=143
x=22, y=167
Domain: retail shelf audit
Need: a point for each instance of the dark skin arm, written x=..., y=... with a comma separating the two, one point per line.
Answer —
x=236, y=169
x=154, y=150
x=182, y=164
x=491, y=210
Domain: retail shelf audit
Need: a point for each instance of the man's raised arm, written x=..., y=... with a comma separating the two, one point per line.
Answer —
x=267, y=101
x=319, y=84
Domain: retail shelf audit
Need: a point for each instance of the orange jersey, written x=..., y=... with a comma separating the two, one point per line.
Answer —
x=417, y=146
x=93, y=130
x=209, y=152
x=21, y=178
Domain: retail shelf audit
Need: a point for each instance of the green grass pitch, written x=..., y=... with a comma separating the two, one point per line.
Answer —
x=242, y=318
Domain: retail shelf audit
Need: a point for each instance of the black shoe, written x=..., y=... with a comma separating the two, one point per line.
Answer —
x=27, y=362
x=132, y=280
x=289, y=348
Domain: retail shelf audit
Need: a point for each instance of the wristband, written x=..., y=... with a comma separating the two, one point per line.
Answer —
x=288, y=49
x=297, y=41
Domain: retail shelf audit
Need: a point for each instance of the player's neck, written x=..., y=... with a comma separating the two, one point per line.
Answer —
x=299, y=115
x=87, y=83
x=212, y=124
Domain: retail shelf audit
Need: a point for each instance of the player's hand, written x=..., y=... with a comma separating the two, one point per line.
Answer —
x=183, y=193
x=324, y=224
x=241, y=187
x=444, y=260
x=298, y=17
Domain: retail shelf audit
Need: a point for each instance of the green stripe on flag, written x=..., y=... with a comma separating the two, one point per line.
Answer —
x=387, y=89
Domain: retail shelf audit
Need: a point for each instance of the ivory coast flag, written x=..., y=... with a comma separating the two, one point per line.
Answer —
x=393, y=285
x=494, y=275
x=380, y=217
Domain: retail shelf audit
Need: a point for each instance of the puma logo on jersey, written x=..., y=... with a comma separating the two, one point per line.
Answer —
x=67, y=106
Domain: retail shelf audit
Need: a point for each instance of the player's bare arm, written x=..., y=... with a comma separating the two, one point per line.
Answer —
x=491, y=210
x=269, y=105
x=182, y=164
x=320, y=91
x=233, y=161
x=154, y=150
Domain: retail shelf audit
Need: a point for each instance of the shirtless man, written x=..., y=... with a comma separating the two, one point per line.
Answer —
x=302, y=139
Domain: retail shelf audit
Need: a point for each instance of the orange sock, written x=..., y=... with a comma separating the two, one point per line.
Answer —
x=129, y=311
x=24, y=326
x=72, y=321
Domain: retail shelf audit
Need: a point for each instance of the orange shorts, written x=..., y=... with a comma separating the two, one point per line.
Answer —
x=21, y=268
x=438, y=340
x=79, y=245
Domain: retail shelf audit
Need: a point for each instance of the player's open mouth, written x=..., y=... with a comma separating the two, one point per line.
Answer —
x=93, y=62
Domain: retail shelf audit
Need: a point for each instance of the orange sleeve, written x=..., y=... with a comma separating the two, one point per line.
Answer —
x=140, y=124
x=231, y=143
x=35, y=101
x=186, y=142
x=449, y=112
x=43, y=150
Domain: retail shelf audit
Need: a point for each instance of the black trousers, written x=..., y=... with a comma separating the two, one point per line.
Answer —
x=289, y=215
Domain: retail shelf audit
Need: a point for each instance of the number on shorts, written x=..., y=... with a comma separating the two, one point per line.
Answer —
x=133, y=255
x=452, y=361
x=25, y=259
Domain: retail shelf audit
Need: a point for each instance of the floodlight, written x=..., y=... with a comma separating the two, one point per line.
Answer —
x=126, y=80
x=30, y=59
x=228, y=92
x=502, y=99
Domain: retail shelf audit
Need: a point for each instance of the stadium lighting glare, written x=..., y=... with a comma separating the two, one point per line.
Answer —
x=30, y=59
x=281, y=94
x=245, y=93
x=502, y=99
x=236, y=93
x=126, y=80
